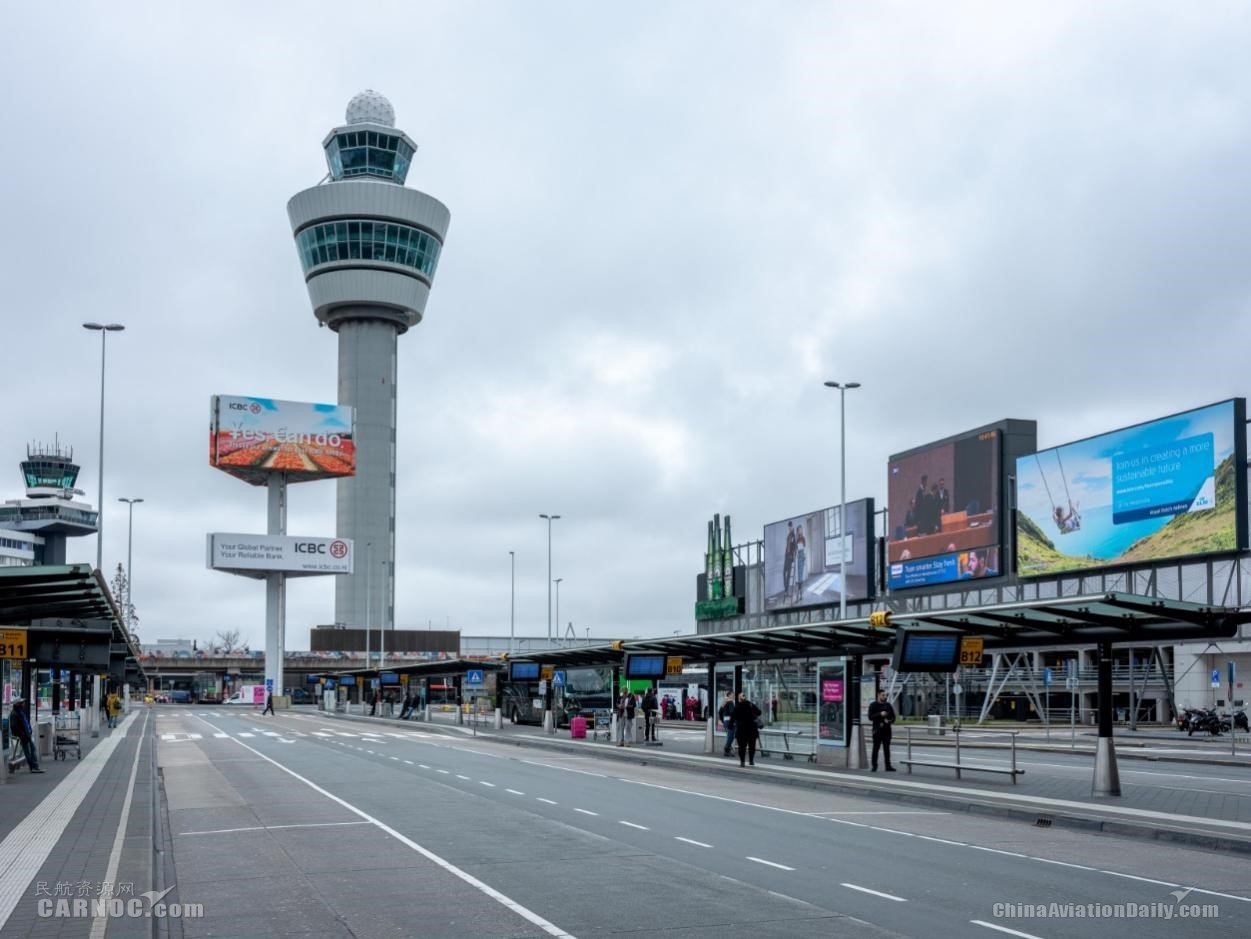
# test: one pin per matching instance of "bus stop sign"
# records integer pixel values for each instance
(474, 677)
(558, 678)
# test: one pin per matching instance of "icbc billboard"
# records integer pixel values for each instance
(251, 438)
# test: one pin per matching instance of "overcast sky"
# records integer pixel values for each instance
(670, 224)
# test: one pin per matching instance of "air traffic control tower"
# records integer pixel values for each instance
(369, 248)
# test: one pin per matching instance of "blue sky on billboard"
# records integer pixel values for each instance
(670, 225)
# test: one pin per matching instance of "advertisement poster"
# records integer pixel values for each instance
(250, 438)
(1169, 488)
(832, 715)
(294, 555)
(944, 520)
(803, 557)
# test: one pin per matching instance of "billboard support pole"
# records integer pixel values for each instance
(275, 589)
(855, 732)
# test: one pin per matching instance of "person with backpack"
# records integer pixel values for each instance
(19, 726)
(746, 717)
(726, 714)
(650, 717)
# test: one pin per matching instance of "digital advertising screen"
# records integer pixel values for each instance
(944, 510)
(1168, 488)
(803, 558)
(250, 438)
(523, 671)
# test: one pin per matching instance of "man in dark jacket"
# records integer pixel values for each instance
(882, 717)
(650, 707)
(746, 732)
(19, 725)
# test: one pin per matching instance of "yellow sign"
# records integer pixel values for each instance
(403, 679)
(360, 682)
(12, 643)
(971, 650)
(673, 665)
(547, 672)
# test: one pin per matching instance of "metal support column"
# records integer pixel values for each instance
(1107, 781)
(855, 730)
(275, 589)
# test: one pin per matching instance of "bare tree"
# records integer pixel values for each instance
(120, 586)
(228, 639)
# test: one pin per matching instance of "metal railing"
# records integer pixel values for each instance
(960, 767)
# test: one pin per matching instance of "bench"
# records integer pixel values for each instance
(1010, 770)
(785, 750)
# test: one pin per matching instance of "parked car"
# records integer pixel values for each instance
(180, 697)
(301, 696)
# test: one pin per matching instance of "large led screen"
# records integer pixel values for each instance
(803, 558)
(944, 512)
(250, 438)
(1169, 488)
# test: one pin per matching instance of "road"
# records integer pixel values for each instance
(368, 830)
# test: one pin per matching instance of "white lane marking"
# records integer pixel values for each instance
(516, 792)
(632, 825)
(586, 812)
(876, 893)
(231, 831)
(396, 758)
(548, 801)
(244, 733)
(221, 735)
(760, 860)
(1010, 932)
(195, 736)
(529, 915)
(698, 844)
(879, 813)
(409, 762)
(485, 783)
(100, 922)
(370, 752)
(459, 776)
(445, 772)
(423, 765)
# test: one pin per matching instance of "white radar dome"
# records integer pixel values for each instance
(369, 107)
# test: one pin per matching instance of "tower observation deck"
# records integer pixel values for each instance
(369, 248)
(49, 509)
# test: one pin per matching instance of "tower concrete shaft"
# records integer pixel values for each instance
(369, 249)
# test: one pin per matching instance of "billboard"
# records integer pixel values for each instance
(258, 555)
(251, 438)
(947, 502)
(1168, 488)
(803, 558)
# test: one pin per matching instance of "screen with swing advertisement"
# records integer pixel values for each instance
(1169, 488)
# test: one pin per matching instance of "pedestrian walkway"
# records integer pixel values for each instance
(78, 833)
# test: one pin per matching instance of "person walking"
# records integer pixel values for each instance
(19, 726)
(407, 708)
(746, 729)
(625, 717)
(269, 705)
(115, 708)
(726, 715)
(881, 716)
(650, 718)
(373, 704)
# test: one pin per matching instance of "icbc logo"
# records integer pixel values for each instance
(338, 549)
(255, 408)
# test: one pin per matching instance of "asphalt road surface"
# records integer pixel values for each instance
(348, 830)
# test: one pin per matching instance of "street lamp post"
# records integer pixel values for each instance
(130, 540)
(103, 329)
(843, 388)
(512, 602)
(550, 519)
(557, 582)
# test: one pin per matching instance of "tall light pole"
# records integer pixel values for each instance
(550, 519)
(843, 388)
(557, 583)
(103, 329)
(130, 541)
(512, 602)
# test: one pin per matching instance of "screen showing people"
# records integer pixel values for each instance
(804, 557)
(944, 511)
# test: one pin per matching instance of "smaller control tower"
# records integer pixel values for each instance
(49, 509)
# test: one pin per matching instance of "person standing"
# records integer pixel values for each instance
(746, 729)
(407, 707)
(269, 704)
(373, 703)
(650, 706)
(19, 725)
(788, 561)
(882, 717)
(625, 717)
(726, 714)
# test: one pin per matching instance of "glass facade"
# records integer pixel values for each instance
(54, 472)
(366, 240)
(369, 153)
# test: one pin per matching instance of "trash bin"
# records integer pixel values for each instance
(936, 725)
(44, 731)
(577, 728)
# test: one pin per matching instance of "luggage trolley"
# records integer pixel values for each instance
(68, 736)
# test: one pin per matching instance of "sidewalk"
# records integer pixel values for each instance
(63, 843)
(1190, 816)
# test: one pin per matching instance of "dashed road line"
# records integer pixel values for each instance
(760, 860)
(1010, 932)
(876, 893)
(622, 821)
(698, 844)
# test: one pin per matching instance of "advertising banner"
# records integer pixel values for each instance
(1168, 488)
(944, 511)
(251, 438)
(258, 555)
(803, 557)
